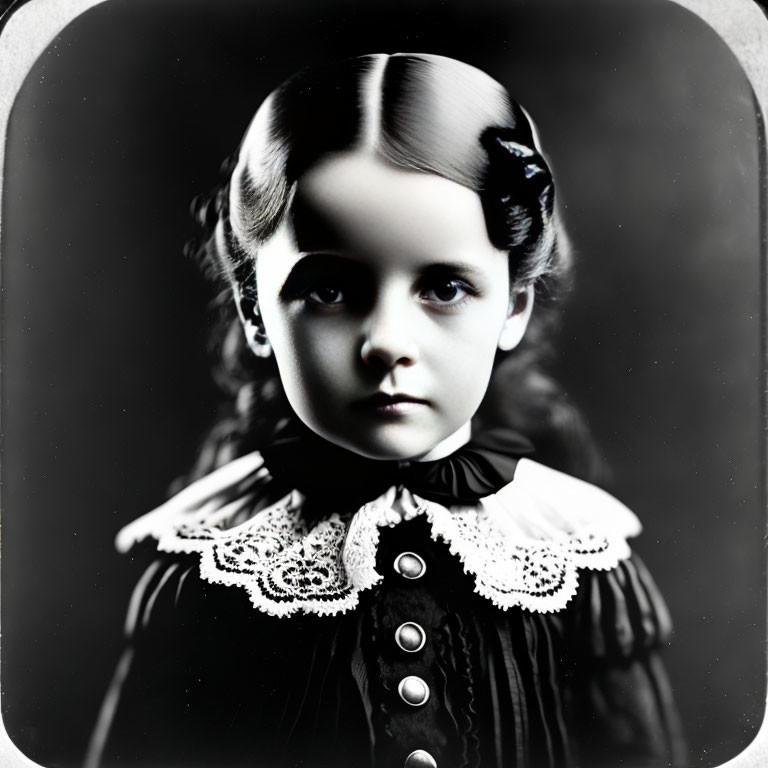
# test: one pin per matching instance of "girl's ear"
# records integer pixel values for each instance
(520, 308)
(253, 326)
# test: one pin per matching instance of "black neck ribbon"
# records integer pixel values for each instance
(300, 459)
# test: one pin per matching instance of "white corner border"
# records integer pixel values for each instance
(28, 31)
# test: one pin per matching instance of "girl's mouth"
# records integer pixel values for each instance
(383, 404)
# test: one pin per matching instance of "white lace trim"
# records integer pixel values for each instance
(524, 545)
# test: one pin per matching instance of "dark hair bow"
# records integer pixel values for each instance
(518, 194)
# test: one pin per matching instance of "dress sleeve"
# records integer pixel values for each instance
(623, 709)
(147, 684)
(207, 680)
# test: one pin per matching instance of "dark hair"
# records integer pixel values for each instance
(421, 112)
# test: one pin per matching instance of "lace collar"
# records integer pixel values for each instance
(524, 545)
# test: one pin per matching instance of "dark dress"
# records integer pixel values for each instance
(392, 649)
(207, 680)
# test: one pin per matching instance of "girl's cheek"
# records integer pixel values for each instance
(478, 328)
(319, 345)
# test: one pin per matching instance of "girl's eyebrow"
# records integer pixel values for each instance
(314, 265)
(452, 266)
(320, 252)
(442, 270)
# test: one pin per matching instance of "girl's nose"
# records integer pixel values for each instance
(389, 339)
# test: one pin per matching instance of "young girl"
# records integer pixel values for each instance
(376, 563)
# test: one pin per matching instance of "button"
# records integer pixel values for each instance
(420, 758)
(409, 565)
(413, 690)
(410, 637)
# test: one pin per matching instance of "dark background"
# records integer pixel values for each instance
(651, 129)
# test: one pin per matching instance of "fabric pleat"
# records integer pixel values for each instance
(517, 703)
(619, 613)
(496, 722)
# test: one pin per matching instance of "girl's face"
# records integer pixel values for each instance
(384, 303)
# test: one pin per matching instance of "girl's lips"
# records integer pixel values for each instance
(384, 404)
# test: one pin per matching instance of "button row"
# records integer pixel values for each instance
(411, 637)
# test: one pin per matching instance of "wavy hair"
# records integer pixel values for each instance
(420, 112)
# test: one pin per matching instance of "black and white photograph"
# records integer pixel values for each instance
(383, 384)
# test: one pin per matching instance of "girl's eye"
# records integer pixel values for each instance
(326, 295)
(446, 292)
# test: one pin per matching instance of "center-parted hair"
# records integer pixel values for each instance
(419, 112)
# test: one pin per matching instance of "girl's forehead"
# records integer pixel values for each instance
(357, 203)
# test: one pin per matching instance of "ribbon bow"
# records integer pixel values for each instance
(301, 459)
